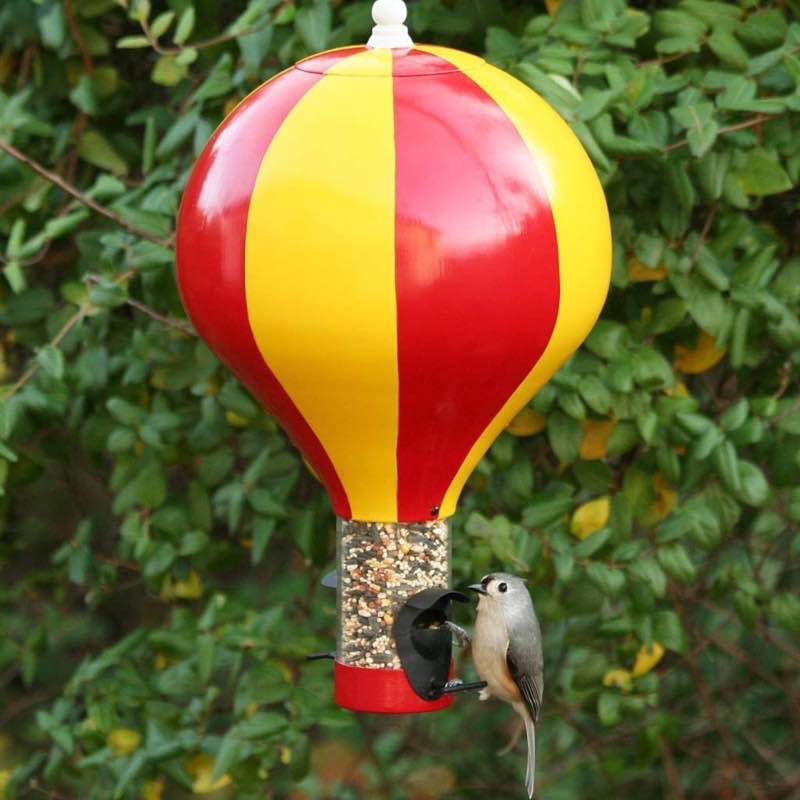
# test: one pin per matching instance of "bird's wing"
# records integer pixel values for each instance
(529, 684)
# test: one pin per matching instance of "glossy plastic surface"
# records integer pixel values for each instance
(380, 691)
(394, 249)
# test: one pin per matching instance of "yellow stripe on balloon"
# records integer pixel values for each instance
(326, 256)
(584, 236)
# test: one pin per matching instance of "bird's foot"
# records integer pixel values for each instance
(459, 634)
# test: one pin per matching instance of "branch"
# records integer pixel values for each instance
(219, 39)
(86, 56)
(178, 324)
(82, 311)
(753, 122)
(54, 342)
(82, 198)
(671, 770)
(708, 704)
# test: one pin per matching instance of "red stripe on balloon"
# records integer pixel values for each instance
(413, 63)
(476, 276)
(212, 225)
(321, 62)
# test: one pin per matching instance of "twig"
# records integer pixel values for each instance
(49, 793)
(210, 42)
(54, 342)
(671, 770)
(177, 324)
(86, 56)
(708, 704)
(82, 311)
(758, 119)
(13, 710)
(219, 39)
(704, 234)
(78, 195)
(657, 62)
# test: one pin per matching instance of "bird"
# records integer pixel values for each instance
(507, 651)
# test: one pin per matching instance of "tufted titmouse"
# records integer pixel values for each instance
(507, 650)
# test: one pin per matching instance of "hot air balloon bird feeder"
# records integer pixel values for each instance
(393, 246)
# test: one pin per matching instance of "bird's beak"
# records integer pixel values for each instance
(476, 587)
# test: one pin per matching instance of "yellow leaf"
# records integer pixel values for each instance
(5, 775)
(641, 273)
(190, 589)
(526, 423)
(5, 370)
(6, 65)
(702, 357)
(620, 678)
(153, 790)
(123, 741)
(250, 710)
(230, 104)
(286, 755)
(678, 390)
(594, 443)
(647, 658)
(161, 661)
(590, 517)
(552, 6)
(666, 497)
(200, 769)
(236, 420)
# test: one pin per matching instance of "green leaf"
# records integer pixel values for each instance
(754, 487)
(610, 581)
(160, 25)
(160, 560)
(564, 434)
(185, 26)
(763, 29)
(132, 42)
(51, 360)
(262, 530)
(83, 96)
(97, 150)
(608, 709)
(314, 25)
(167, 71)
(649, 571)
(727, 48)
(784, 609)
(676, 562)
(761, 175)
(668, 630)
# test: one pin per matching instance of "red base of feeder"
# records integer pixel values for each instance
(380, 691)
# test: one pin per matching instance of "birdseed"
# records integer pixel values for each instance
(381, 564)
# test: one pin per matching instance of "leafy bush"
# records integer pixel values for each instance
(162, 545)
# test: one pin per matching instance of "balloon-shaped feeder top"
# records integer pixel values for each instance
(394, 247)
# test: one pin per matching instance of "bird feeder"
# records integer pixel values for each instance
(393, 246)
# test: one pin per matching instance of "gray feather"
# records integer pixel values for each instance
(530, 773)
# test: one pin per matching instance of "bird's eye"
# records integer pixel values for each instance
(503, 587)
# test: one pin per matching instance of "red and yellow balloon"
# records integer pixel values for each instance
(394, 249)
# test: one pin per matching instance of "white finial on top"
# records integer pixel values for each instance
(389, 30)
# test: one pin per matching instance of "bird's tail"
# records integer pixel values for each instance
(530, 735)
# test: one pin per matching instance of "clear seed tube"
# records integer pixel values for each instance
(380, 565)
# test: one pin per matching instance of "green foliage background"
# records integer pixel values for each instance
(162, 545)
